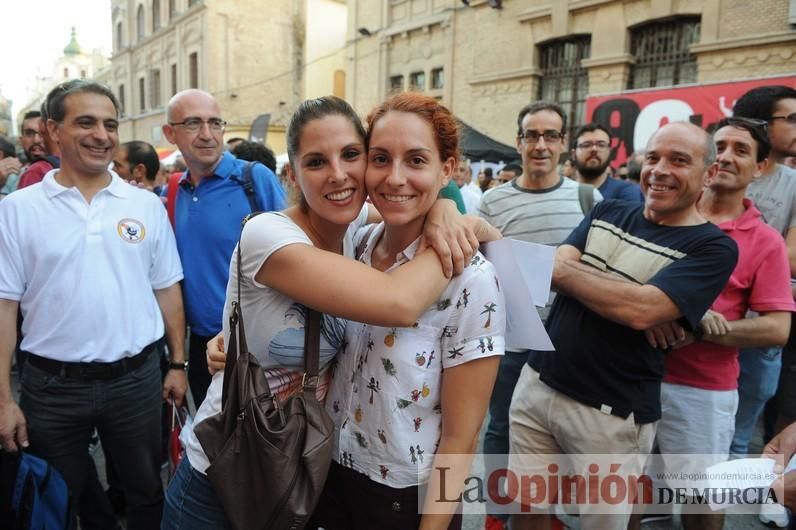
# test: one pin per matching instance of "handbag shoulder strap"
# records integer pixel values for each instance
(312, 343)
(237, 334)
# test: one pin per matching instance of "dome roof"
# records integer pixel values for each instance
(73, 48)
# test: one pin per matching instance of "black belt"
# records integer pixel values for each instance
(93, 371)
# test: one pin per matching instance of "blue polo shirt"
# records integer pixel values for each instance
(621, 189)
(208, 219)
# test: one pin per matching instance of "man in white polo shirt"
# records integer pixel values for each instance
(92, 264)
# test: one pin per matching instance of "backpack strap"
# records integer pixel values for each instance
(54, 161)
(246, 181)
(171, 197)
(586, 197)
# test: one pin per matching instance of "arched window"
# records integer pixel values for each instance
(155, 15)
(172, 9)
(140, 22)
(564, 79)
(119, 36)
(662, 53)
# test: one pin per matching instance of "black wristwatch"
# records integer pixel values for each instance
(179, 366)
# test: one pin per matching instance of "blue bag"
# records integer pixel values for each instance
(39, 497)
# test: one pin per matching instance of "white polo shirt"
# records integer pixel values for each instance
(84, 273)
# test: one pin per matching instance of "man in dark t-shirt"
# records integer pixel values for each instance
(626, 269)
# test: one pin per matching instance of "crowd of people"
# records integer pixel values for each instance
(670, 307)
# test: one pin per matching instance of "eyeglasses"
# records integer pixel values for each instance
(30, 133)
(599, 145)
(790, 118)
(532, 137)
(192, 125)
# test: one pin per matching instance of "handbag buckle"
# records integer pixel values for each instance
(233, 315)
(311, 380)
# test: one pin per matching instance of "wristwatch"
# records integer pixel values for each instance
(179, 366)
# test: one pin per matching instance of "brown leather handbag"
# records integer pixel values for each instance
(268, 459)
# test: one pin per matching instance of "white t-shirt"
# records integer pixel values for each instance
(471, 199)
(386, 393)
(274, 323)
(84, 273)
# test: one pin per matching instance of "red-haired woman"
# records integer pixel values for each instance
(394, 409)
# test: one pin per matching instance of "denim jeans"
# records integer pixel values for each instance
(496, 438)
(757, 384)
(191, 502)
(62, 412)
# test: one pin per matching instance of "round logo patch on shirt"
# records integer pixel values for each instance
(131, 230)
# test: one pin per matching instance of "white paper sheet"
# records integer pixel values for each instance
(741, 474)
(525, 271)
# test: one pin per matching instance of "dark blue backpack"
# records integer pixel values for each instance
(39, 497)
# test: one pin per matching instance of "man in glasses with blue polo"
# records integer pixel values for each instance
(774, 194)
(538, 206)
(591, 156)
(215, 193)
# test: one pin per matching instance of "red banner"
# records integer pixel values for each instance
(632, 117)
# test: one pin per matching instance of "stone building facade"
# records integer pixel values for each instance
(251, 55)
(485, 63)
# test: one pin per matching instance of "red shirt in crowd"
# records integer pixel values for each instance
(34, 174)
(760, 282)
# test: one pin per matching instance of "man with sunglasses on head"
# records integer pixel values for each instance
(538, 206)
(211, 198)
(774, 194)
(591, 156)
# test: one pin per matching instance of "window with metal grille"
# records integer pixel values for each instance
(396, 84)
(417, 81)
(564, 79)
(662, 54)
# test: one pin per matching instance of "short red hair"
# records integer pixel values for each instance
(443, 124)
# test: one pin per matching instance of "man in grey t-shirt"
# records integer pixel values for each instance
(774, 194)
(538, 206)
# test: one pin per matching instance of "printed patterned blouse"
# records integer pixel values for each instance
(385, 395)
